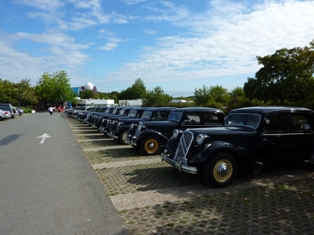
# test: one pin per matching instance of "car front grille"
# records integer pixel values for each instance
(184, 145)
(138, 130)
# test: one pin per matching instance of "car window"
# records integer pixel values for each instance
(243, 119)
(148, 115)
(192, 118)
(175, 116)
(299, 123)
(276, 123)
(210, 118)
(160, 116)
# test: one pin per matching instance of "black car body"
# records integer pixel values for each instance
(91, 114)
(251, 137)
(119, 129)
(100, 118)
(152, 136)
(135, 112)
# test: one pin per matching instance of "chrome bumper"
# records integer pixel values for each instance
(179, 165)
(110, 134)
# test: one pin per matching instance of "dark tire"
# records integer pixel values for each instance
(1, 119)
(123, 136)
(221, 170)
(151, 145)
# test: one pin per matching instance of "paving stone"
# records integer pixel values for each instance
(155, 198)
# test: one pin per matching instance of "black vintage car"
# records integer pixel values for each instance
(135, 112)
(100, 117)
(152, 136)
(251, 137)
(120, 127)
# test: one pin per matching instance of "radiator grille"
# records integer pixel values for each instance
(184, 145)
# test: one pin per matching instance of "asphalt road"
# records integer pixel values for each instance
(47, 185)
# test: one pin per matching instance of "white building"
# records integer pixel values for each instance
(128, 103)
(94, 102)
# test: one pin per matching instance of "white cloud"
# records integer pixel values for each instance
(223, 44)
(113, 43)
(133, 2)
(167, 12)
(149, 31)
(44, 5)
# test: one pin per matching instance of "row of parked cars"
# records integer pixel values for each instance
(7, 111)
(205, 141)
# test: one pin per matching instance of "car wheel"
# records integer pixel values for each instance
(221, 170)
(1, 119)
(151, 145)
(123, 136)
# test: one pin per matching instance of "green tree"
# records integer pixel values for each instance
(55, 87)
(237, 92)
(156, 97)
(7, 91)
(201, 96)
(218, 94)
(25, 94)
(88, 94)
(136, 91)
(285, 78)
(215, 96)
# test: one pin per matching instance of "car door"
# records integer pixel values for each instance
(276, 137)
(191, 120)
(302, 135)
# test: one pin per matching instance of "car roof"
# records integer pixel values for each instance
(271, 109)
(160, 108)
(191, 109)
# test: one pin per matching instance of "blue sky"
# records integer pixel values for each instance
(179, 45)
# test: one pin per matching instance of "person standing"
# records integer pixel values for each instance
(50, 110)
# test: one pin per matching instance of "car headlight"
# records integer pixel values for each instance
(176, 133)
(200, 139)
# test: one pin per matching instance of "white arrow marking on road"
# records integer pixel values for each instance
(43, 138)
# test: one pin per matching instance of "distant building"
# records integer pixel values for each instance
(94, 102)
(94, 89)
(128, 103)
(77, 90)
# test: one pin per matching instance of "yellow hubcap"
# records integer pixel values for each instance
(151, 145)
(222, 170)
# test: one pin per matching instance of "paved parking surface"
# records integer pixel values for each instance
(154, 198)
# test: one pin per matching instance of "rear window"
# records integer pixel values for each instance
(6, 107)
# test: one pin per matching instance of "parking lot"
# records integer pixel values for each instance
(154, 198)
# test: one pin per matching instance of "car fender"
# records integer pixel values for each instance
(149, 132)
(121, 129)
(222, 146)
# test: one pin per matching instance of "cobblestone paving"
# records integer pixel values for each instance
(112, 155)
(280, 201)
(284, 209)
(132, 179)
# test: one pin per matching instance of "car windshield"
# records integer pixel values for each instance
(147, 115)
(175, 116)
(243, 119)
(132, 113)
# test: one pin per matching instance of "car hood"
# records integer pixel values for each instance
(150, 124)
(224, 131)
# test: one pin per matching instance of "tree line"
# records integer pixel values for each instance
(285, 78)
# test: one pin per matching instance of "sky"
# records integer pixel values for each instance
(178, 45)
